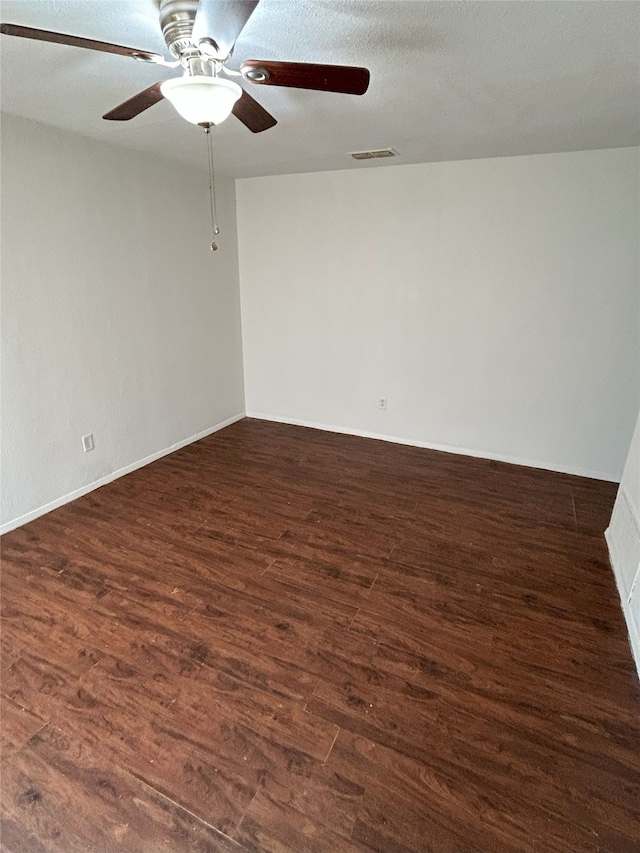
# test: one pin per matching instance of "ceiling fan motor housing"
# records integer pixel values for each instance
(176, 19)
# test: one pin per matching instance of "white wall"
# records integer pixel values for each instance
(117, 319)
(623, 538)
(495, 303)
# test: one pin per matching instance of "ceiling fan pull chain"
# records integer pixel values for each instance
(212, 188)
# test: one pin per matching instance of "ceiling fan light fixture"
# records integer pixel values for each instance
(202, 100)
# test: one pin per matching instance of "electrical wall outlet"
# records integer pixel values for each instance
(87, 442)
(382, 402)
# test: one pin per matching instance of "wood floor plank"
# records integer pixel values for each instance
(364, 700)
(434, 806)
(345, 581)
(39, 685)
(278, 591)
(57, 792)
(137, 629)
(159, 746)
(411, 806)
(321, 796)
(271, 826)
(281, 639)
(18, 725)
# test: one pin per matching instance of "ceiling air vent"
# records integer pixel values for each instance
(372, 155)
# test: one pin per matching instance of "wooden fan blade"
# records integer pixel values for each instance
(221, 21)
(136, 105)
(303, 75)
(252, 115)
(77, 41)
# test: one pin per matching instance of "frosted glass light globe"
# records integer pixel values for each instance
(202, 100)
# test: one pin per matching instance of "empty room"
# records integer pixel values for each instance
(320, 443)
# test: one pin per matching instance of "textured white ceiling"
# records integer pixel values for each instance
(449, 80)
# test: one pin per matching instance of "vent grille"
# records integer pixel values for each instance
(372, 155)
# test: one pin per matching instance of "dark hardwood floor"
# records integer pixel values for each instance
(279, 639)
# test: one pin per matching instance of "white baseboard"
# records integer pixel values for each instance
(109, 478)
(445, 448)
(625, 562)
(631, 617)
(634, 632)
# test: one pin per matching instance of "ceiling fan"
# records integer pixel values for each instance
(200, 36)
